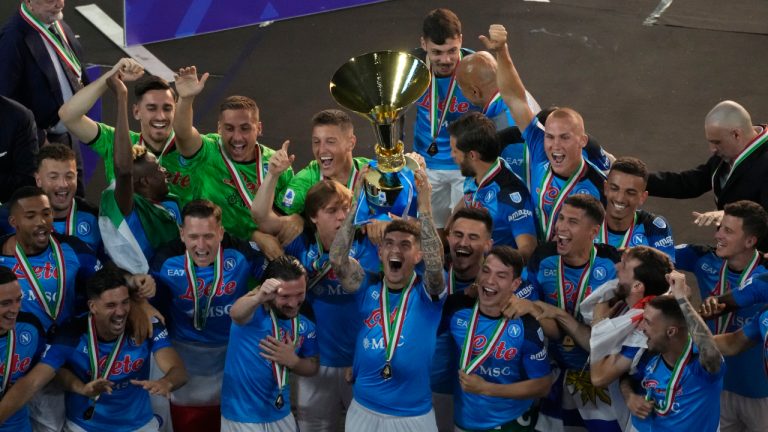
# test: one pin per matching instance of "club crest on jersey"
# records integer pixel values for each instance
(25, 337)
(229, 264)
(515, 197)
(288, 197)
(582, 191)
(637, 239)
(84, 228)
(302, 327)
(488, 196)
(600, 273)
(514, 330)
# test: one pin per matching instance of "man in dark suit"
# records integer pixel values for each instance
(18, 146)
(737, 169)
(41, 66)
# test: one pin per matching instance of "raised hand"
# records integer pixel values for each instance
(268, 290)
(116, 84)
(677, 285)
(129, 69)
(708, 218)
(280, 160)
(496, 39)
(187, 83)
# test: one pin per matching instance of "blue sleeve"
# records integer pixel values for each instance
(308, 346)
(753, 291)
(629, 352)
(256, 260)
(752, 330)
(160, 338)
(58, 351)
(698, 370)
(535, 358)
(533, 278)
(367, 255)
(534, 139)
(660, 237)
(686, 257)
(297, 247)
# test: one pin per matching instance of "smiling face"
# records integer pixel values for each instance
(564, 138)
(46, 11)
(155, 111)
(10, 304)
(289, 298)
(32, 218)
(110, 311)
(624, 194)
(58, 179)
(399, 252)
(239, 130)
(657, 328)
(202, 238)
(575, 231)
(731, 238)
(332, 147)
(444, 57)
(468, 241)
(496, 283)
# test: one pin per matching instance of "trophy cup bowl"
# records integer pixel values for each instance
(380, 86)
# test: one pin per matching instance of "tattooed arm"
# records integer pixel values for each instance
(710, 357)
(431, 246)
(347, 269)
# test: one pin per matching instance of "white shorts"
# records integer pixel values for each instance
(447, 190)
(361, 419)
(443, 406)
(205, 367)
(740, 413)
(322, 400)
(151, 426)
(47, 411)
(286, 424)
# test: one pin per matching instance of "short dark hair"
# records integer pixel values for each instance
(478, 214)
(321, 193)
(286, 268)
(652, 270)
(201, 209)
(108, 277)
(333, 117)
(474, 131)
(754, 218)
(55, 151)
(151, 82)
(591, 206)
(239, 103)
(632, 166)
(669, 307)
(510, 257)
(402, 225)
(22, 193)
(6, 275)
(439, 25)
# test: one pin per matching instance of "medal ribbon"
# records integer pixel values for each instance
(436, 122)
(493, 100)
(93, 352)
(279, 371)
(624, 243)
(62, 47)
(240, 183)
(467, 363)
(200, 316)
(451, 280)
(10, 350)
(675, 378)
(487, 177)
(562, 302)
(170, 144)
(548, 223)
(755, 144)
(320, 271)
(721, 322)
(392, 330)
(71, 223)
(52, 309)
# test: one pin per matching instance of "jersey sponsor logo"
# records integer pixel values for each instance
(500, 351)
(638, 239)
(551, 195)
(25, 337)
(229, 264)
(461, 323)
(126, 365)
(328, 289)
(288, 197)
(550, 272)
(665, 242)
(19, 364)
(49, 296)
(520, 215)
(709, 269)
(378, 343)
(514, 330)
(599, 273)
(659, 222)
(513, 161)
(204, 289)
(374, 319)
(177, 179)
(375, 295)
(46, 271)
(541, 355)
(494, 371)
(454, 107)
(160, 336)
(176, 272)
(83, 228)
(570, 293)
(516, 197)
(524, 292)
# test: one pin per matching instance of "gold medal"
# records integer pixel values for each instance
(279, 401)
(432, 150)
(386, 373)
(568, 343)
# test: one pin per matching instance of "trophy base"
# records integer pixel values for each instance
(383, 188)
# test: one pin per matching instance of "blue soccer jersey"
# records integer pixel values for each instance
(696, 403)
(240, 261)
(546, 186)
(250, 388)
(757, 330)
(544, 273)
(407, 392)
(80, 262)
(333, 310)
(29, 344)
(128, 407)
(708, 268)
(519, 354)
(507, 200)
(137, 229)
(753, 291)
(648, 230)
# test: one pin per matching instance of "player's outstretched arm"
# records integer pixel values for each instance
(567, 323)
(508, 80)
(734, 343)
(123, 153)
(608, 369)
(188, 86)
(346, 268)
(22, 390)
(175, 377)
(73, 384)
(261, 210)
(431, 245)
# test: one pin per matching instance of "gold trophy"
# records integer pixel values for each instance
(380, 86)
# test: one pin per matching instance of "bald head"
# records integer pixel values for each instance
(570, 116)
(729, 114)
(728, 128)
(476, 76)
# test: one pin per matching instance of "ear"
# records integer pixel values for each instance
(91, 306)
(643, 197)
(751, 242)
(423, 43)
(516, 284)
(672, 331)
(352, 141)
(638, 287)
(136, 111)
(259, 129)
(594, 230)
(38, 180)
(12, 222)
(419, 255)
(583, 140)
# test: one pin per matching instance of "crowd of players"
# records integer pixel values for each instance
(214, 289)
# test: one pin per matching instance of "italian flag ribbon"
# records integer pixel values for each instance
(493, 100)
(674, 379)
(52, 309)
(547, 223)
(437, 118)
(755, 144)
(487, 177)
(168, 146)
(240, 182)
(62, 47)
(625, 241)
(71, 221)
(451, 280)
(200, 316)
(279, 371)
(562, 301)
(393, 329)
(93, 352)
(10, 351)
(722, 287)
(466, 362)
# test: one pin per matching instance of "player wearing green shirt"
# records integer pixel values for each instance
(229, 165)
(154, 109)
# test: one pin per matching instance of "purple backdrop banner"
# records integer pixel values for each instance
(157, 20)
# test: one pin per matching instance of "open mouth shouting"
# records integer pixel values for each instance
(326, 162)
